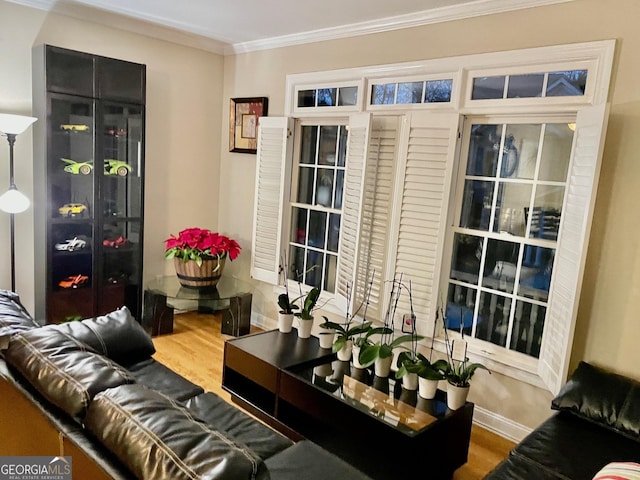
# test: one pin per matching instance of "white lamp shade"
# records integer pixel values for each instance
(14, 124)
(14, 201)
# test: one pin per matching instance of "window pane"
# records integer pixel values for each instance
(520, 151)
(546, 212)
(512, 201)
(487, 87)
(525, 86)
(328, 142)
(383, 94)
(308, 148)
(324, 187)
(410, 92)
(307, 98)
(305, 185)
(317, 227)
(500, 265)
(313, 274)
(493, 318)
(438, 91)
(483, 150)
(567, 84)
(331, 270)
(326, 97)
(465, 263)
(476, 204)
(339, 189)
(334, 232)
(528, 325)
(342, 145)
(460, 304)
(535, 275)
(296, 264)
(299, 225)
(556, 152)
(347, 96)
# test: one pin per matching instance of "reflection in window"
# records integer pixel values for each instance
(383, 94)
(525, 86)
(567, 84)
(438, 91)
(347, 96)
(326, 97)
(487, 88)
(410, 92)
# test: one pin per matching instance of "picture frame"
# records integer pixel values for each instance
(244, 115)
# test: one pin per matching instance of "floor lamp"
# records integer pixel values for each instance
(13, 201)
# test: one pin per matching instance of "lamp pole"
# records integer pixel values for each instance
(11, 138)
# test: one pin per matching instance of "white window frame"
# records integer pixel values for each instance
(597, 58)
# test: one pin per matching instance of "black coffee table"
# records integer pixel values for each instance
(372, 423)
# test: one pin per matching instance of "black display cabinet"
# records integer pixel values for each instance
(89, 183)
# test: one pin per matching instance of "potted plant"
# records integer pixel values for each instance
(305, 315)
(408, 362)
(344, 334)
(458, 381)
(286, 306)
(199, 256)
(429, 374)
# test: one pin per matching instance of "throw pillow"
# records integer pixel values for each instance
(619, 471)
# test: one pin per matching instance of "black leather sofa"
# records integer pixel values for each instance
(597, 423)
(92, 391)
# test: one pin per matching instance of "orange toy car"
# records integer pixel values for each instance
(74, 281)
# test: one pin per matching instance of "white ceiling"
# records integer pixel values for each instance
(231, 26)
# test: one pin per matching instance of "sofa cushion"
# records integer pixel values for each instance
(157, 376)
(64, 370)
(574, 448)
(603, 397)
(116, 335)
(157, 438)
(14, 318)
(237, 425)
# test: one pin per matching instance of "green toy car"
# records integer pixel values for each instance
(116, 167)
(76, 168)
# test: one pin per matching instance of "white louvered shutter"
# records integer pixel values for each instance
(571, 251)
(357, 145)
(272, 184)
(429, 143)
(376, 217)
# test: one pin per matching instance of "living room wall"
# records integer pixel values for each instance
(184, 103)
(607, 326)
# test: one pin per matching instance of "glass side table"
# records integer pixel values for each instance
(231, 296)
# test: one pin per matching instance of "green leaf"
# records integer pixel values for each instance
(368, 355)
(338, 344)
(169, 254)
(404, 339)
(385, 351)
(401, 372)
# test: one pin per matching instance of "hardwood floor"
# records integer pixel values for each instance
(195, 350)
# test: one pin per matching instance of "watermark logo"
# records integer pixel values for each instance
(35, 468)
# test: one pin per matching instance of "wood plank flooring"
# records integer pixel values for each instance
(195, 350)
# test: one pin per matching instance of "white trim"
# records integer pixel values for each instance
(414, 19)
(499, 425)
(262, 321)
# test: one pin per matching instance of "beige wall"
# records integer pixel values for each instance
(184, 104)
(608, 326)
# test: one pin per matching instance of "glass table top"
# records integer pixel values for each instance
(169, 286)
(382, 398)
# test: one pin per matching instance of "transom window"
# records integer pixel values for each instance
(316, 205)
(430, 91)
(569, 83)
(504, 241)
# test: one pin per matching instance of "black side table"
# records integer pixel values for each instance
(231, 296)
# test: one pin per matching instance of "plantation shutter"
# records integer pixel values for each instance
(572, 245)
(428, 143)
(376, 217)
(272, 184)
(357, 144)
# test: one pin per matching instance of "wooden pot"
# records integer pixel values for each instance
(205, 276)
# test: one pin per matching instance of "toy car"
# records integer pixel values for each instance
(74, 281)
(116, 167)
(116, 132)
(116, 242)
(71, 244)
(74, 127)
(71, 209)
(77, 167)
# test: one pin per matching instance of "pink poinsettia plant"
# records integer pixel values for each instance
(198, 244)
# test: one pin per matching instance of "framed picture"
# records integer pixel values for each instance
(243, 123)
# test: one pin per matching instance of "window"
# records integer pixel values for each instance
(316, 205)
(570, 83)
(505, 236)
(430, 91)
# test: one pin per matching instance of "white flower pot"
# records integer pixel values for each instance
(304, 328)
(427, 388)
(285, 321)
(326, 339)
(355, 353)
(456, 396)
(382, 366)
(410, 381)
(344, 354)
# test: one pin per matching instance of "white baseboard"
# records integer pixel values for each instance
(499, 425)
(263, 321)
